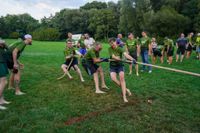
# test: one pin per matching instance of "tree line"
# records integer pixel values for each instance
(103, 20)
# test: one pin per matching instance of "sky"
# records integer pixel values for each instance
(40, 8)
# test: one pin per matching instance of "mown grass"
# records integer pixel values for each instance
(49, 103)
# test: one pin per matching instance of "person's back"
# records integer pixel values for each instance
(19, 44)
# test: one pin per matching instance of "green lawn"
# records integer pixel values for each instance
(49, 103)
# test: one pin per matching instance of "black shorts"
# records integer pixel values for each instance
(156, 53)
(189, 48)
(170, 53)
(134, 55)
(116, 69)
(74, 62)
(181, 50)
(10, 64)
(89, 66)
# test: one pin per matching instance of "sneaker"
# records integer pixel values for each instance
(2, 107)
(150, 71)
(19, 93)
(137, 74)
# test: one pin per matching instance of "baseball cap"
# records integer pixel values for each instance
(2, 41)
(27, 36)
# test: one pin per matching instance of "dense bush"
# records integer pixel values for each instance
(14, 35)
(46, 34)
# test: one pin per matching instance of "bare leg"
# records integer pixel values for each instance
(177, 57)
(170, 60)
(11, 81)
(3, 83)
(114, 78)
(64, 68)
(96, 81)
(103, 84)
(79, 73)
(130, 69)
(137, 69)
(182, 57)
(123, 86)
(117, 82)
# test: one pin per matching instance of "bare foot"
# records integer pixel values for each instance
(125, 100)
(19, 93)
(129, 92)
(105, 87)
(99, 92)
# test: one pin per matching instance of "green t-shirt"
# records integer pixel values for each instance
(91, 54)
(69, 51)
(144, 43)
(81, 42)
(132, 45)
(2, 55)
(169, 43)
(198, 41)
(69, 39)
(118, 51)
(20, 45)
(189, 39)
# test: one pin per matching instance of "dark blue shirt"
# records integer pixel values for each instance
(182, 42)
(119, 42)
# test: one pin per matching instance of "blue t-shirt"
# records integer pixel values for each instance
(119, 42)
(182, 42)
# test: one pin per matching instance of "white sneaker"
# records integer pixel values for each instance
(2, 107)
(19, 93)
(99, 92)
(150, 71)
(137, 74)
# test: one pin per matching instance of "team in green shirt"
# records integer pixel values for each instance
(71, 60)
(9, 60)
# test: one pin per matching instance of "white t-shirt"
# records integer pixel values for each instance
(154, 45)
(89, 43)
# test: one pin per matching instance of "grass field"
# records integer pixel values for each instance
(49, 103)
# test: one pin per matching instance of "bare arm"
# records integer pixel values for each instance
(150, 49)
(14, 54)
(128, 56)
(97, 60)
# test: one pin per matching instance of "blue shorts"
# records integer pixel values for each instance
(198, 49)
(83, 51)
(117, 69)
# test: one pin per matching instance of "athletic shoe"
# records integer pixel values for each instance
(150, 71)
